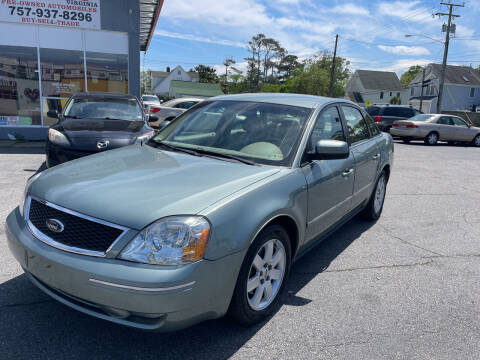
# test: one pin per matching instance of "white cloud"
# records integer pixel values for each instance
(350, 9)
(406, 10)
(198, 38)
(232, 12)
(403, 65)
(405, 50)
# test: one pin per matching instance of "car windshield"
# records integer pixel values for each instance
(420, 118)
(104, 108)
(264, 133)
(149, 98)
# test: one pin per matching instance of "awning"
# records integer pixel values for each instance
(149, 13)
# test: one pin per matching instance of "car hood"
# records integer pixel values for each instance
(136, 185)
(84, 134)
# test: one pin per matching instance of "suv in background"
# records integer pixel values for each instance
(386, 115)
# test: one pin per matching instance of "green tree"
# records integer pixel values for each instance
(146, 82)
(206, 74)
(410, 74)
(287, 65)
(396, 100)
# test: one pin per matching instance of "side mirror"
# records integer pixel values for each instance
(330, 150)
(52, 114)
(152, 118)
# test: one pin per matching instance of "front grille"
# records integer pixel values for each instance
(78, 232)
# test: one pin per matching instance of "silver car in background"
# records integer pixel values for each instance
(169, 110)
(206, 218)
(432, 128)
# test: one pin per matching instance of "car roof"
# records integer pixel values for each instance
(102, 95)
(186, 99)
(391, 105)
(307, 101)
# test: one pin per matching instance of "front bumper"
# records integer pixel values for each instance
(58, 155)
(147, 297)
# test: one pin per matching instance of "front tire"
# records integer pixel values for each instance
(375, 206)
(476, 141)
(262, 277)
(431, 139)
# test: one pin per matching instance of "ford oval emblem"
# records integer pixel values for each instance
(55, 225)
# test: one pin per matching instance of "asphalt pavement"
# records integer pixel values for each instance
(405, 287)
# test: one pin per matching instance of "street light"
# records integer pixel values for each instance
(425, 36)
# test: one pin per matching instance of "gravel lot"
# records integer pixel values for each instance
(406, 287)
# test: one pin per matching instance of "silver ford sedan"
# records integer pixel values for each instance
(207, 217)
(436, 127)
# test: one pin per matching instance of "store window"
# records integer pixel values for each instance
(107, 72)
(19, 86)
(62, 72)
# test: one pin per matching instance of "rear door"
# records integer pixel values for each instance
(330, 182)
(365, 151)
(445, 128)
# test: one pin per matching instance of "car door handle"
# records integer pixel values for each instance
(347, 172)
(376, 156)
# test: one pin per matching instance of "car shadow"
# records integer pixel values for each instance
(34, 326)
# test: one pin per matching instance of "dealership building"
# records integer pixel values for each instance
(50, 49)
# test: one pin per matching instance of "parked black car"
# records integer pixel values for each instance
(95, 122)
(385, 115)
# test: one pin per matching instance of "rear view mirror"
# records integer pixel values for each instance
(330, 150)
(52, 114)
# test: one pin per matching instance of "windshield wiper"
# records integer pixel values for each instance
(174, 148)
(226, 156)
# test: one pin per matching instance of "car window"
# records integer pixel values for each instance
(185, 104)
(374, 130)
(459, 122)
(398, 112)
(445, 120)
(373, 110)
(358, 130)
(327, 127)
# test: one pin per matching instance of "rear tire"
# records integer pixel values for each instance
(431, 139)
(375, 205)
(262, 277)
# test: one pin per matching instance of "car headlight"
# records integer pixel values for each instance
(21, 206)
(56, 137)
(174, 240)
(144, 138)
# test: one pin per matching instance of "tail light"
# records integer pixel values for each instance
(154, 110)
(378, 119)
(411, 126)
(395, 125)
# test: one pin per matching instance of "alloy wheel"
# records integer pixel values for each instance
(379, 194)
(266, 274)
(432, 139)
(477, 141)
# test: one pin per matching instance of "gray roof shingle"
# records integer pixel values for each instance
(459, 75)
(379, 80)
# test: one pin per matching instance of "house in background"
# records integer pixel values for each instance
(375, 87)
(461, 89)
(179, 89)
(161, 80)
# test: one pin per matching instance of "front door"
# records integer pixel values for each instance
(330, 182)
(446, 128)
(462, 131)
(365, 151)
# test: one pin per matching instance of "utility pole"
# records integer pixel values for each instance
(445, 52)
(332, 74)
(423, 85)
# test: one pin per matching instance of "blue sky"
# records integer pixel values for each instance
(372, 33)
